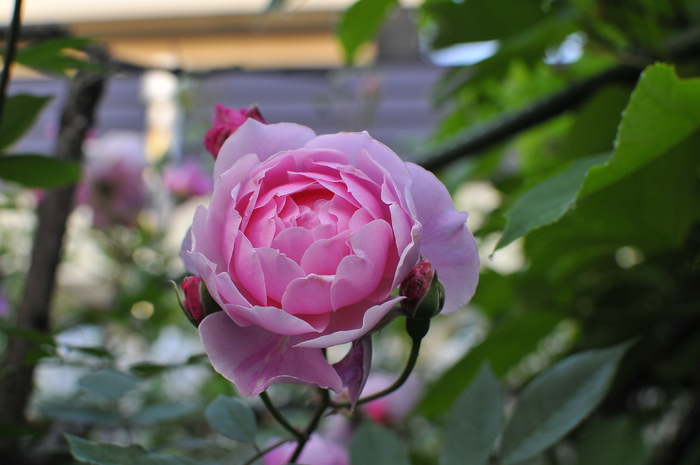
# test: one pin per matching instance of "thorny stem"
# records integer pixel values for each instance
(323, 404)
(279, 417)
(10, 50)
(261, 452)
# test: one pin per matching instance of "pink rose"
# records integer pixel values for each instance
(113, 184)
(317, 451)
(225, 121)
(188, 180)
(302, 245)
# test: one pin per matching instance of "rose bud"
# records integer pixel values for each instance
(226, 121)
(425, 295)
(198, 303)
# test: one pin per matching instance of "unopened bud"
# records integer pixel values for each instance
(193, 306)
(198, 303)
(425, 295)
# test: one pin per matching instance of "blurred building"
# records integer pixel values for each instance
(287, 61)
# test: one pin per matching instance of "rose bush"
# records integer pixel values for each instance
(303, 243)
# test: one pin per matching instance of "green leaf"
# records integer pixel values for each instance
(647, 195)
(158, 413)
(197, 359)
(527, 46)
(480, 20)
(38, 171)
(147, 370)
(80, 415)
(360, 23)
(50, 55)
(232, 418)
(662, 112)
(108, 383)
(111, 454)
(99, 352)
(548, 201)
(503, 348)
(18, 116)
(32, 335)
(614, 441)
(474, 422)
(376, 445)
(557, 400)
(595, 127)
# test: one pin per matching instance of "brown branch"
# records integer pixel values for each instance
(483, 137)
(33, 311)
(10, 50)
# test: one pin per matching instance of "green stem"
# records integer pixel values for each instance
(323, 404)
(264, 451)
(281, 418)
(417, 329)
(10, 50)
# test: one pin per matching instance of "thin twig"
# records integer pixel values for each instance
(281, 419)
(323, 404)
(264, 451)
(10, 50)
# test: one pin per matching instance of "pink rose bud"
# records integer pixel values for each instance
(226, 121)
(425, 296)
(193, 305)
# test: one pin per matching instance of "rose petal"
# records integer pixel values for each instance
(350, 323)
(254, 359)
(354, 143)
(324, 255)
(248, 270)
(358, 275)
(293, 242)
(278, 270)
(353, 369)
(308, 295)
(276, 320)
(264, 140)
(445, 241)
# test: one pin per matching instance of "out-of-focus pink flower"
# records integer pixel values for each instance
(4, 307)
(392, 408)
(188, 180)
(317, 451)
(302, 245)
(225, 121)
(113, 184)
